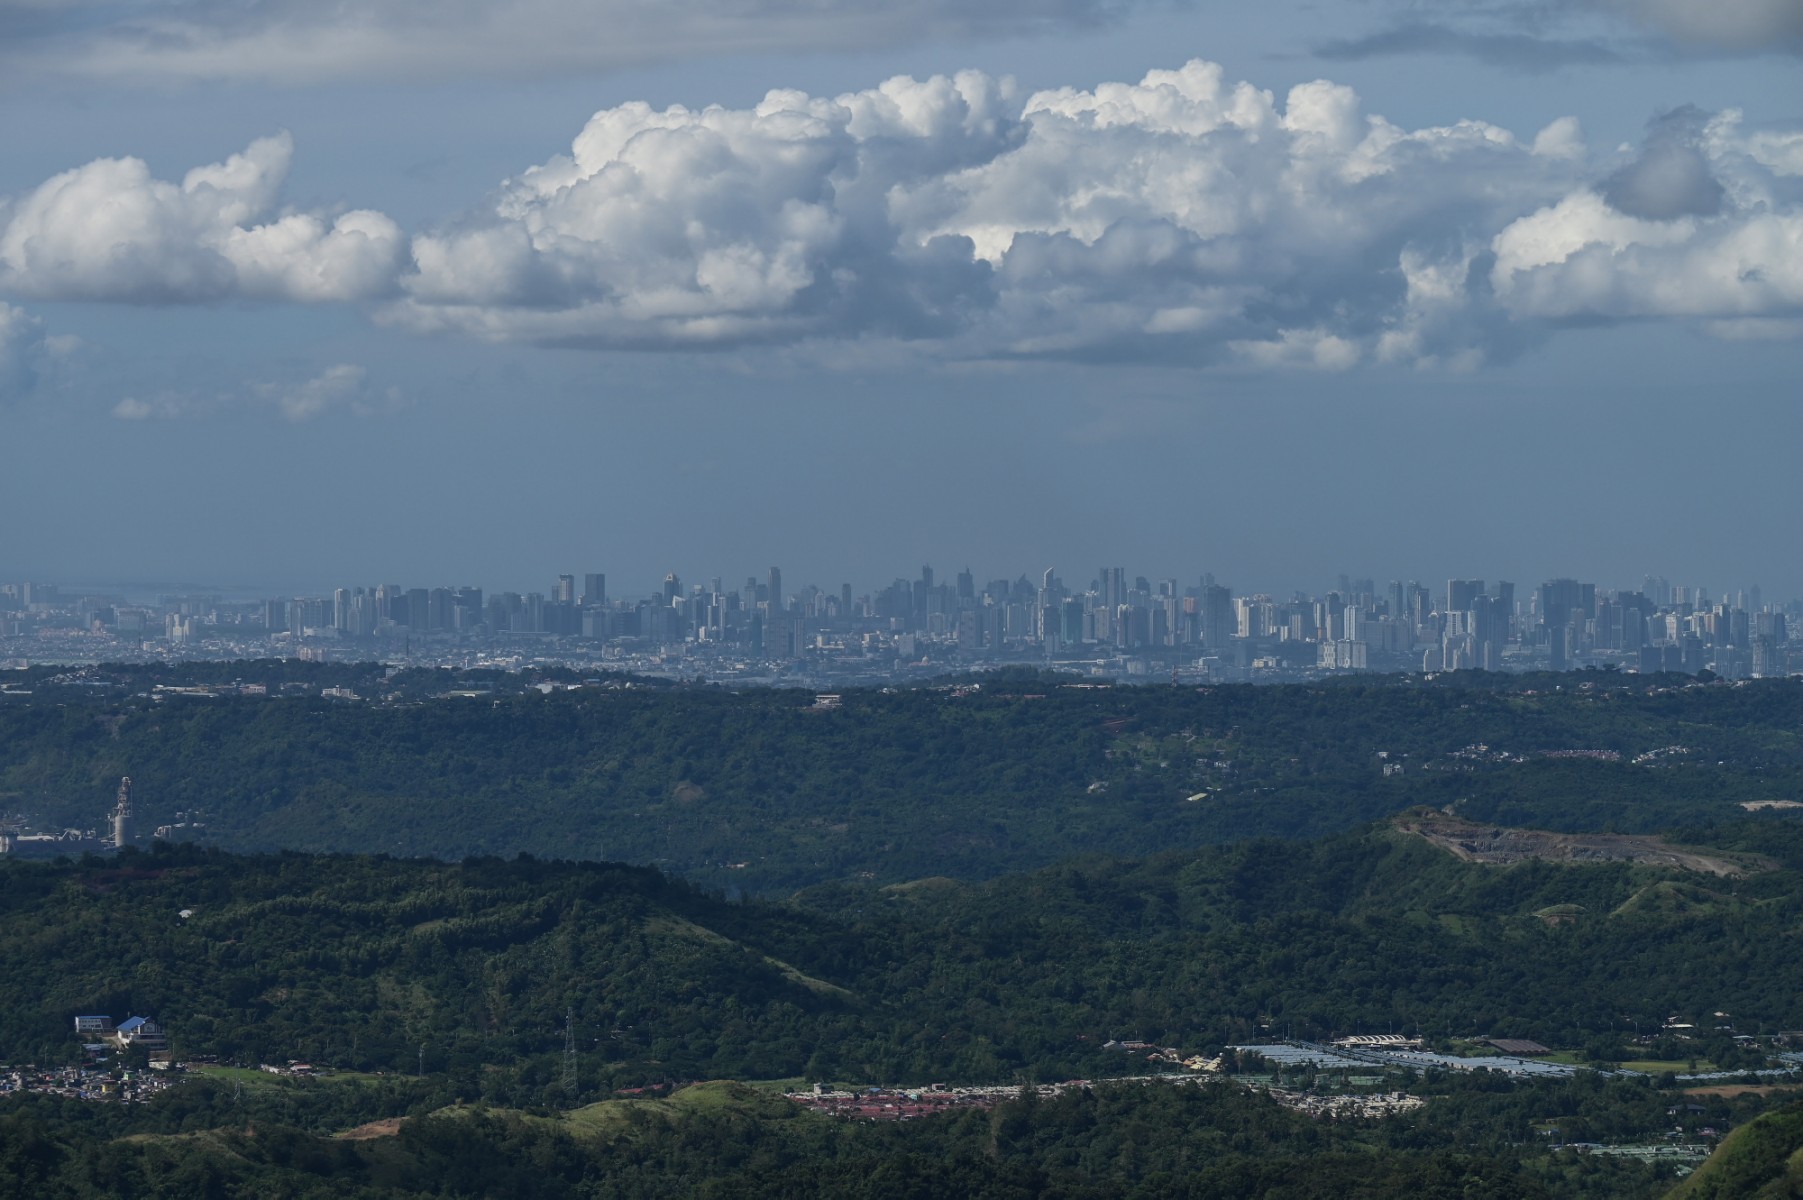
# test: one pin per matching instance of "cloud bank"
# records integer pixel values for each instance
(1184, 218)
(1733, 25)
(294, 41)
(1535, 36)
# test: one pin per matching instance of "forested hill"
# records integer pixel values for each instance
(361, 961)
(763, 792)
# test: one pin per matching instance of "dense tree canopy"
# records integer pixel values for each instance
(760, 792)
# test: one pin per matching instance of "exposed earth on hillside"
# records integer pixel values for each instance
(1497, 844)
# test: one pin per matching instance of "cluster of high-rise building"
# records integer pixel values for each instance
(1117, 623)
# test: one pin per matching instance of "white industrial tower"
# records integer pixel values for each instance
(122, 816)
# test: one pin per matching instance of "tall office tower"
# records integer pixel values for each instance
(1070, 621)
(388, 597)
(967, 588)
(1217, 616)
(467, 607)
(1417, 608)
(1010, 621)
(1505, 592)
(1167, 621)
(565, 592)
(776, 590)
(1606, 629)
(419, 608)
(672, 588)
(1489, 631)
(926, 576)
(1114, 587)
(1558, 598)
(1558, 647)
(1460, 593)
(1635, 610)
(1254, 616)
(358, 620)
(442, 603)
(341, 610)
(1095, 624)
(778, 637)
(1768, 657)
(844, 600)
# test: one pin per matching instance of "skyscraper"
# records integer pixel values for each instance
(594, 590)
(1461, 593)
(1558, 597)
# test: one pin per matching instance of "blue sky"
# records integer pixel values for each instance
(484, 292)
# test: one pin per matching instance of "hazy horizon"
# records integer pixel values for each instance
(293, 300)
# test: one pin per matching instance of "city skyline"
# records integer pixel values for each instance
(780, 630)
(627, 588)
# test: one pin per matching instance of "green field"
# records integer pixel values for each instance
(257, 1077)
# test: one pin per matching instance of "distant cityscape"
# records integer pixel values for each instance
(1108, 625)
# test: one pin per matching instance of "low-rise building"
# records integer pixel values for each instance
(141, 1031)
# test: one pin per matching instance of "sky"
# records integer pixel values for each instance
(295, 296)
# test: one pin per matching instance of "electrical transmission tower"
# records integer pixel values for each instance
(569, 1055)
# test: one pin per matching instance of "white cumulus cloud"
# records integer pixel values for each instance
(1704, 222)
(1183, 218)
(342, 387)
(110, 230)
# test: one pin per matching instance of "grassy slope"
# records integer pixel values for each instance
(1762, 1160)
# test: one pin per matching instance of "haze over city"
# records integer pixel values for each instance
(297, 297)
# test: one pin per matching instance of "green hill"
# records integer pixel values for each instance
(1762, 1160)
(758, 792)
(362, 961)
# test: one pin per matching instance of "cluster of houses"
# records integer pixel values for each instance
(100, 1035)
(82, 1083)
